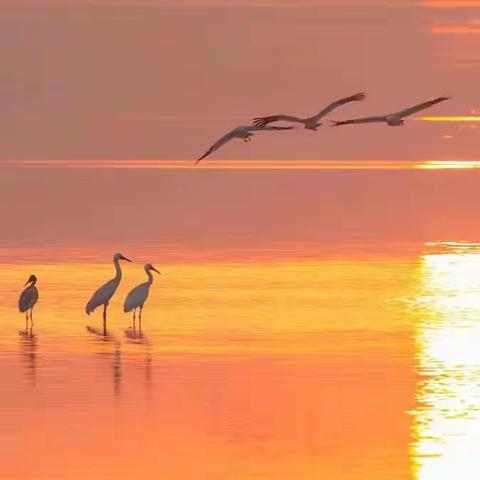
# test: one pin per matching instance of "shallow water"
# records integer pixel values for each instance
(362, 367)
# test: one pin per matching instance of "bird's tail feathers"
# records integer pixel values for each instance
(89, 308)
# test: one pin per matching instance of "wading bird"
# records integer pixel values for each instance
(103, 295)
(138, 296)
(28, 299)
(393, 119)
(244, 132)
(310, 123)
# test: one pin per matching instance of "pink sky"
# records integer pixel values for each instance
(164, 83)
(158, 82)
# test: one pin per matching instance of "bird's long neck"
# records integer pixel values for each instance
(150, 277)
(118, 270)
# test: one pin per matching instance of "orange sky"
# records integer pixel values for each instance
(109, 82)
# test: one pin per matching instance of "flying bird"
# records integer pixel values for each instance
(28, 299)
(138, 296)
(244, 132)
(310, 123)
(103, 295)
(393, 119)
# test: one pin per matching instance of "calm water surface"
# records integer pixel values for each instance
(342, 368)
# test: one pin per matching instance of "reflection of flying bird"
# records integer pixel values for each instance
(311, 123)
(138, 296)
(244, 132)
(103, 295)
(28, 299)
(393, 119)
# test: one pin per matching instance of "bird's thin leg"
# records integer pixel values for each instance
(31, 319)
(134, 320)
(26, 321)
(105, 319)
(140, 320)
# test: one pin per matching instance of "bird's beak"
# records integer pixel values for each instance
(29, 281)
(155, 270)
(125, 258)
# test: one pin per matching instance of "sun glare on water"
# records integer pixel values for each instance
(446, 426)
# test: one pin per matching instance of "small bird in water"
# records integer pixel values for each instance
(103, 295)
(28, 299)
(138, 296)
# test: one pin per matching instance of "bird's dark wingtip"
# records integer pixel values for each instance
(200, 159)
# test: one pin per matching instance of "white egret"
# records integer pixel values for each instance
(28, 299)
(244, 132)
(310, 123)
(103, 295)
(138, 296)
(393, 119)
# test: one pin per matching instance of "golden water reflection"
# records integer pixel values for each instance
(280, 370)
(446, 426)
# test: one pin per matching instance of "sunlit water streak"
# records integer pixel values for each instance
(447, 419)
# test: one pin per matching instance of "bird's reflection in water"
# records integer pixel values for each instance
(136, 335)
(115, 356)
(28, 352)
(117, 370)
(102, 333)
(148, 371)
(114, 362)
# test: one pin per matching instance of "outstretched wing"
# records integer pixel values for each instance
(359, 120)
(225, 139)
(258, 128)
(421, 106)
(263, 121)
(338, 103)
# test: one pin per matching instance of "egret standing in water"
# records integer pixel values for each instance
(103, 295)
(28, 299)
(138, 296)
